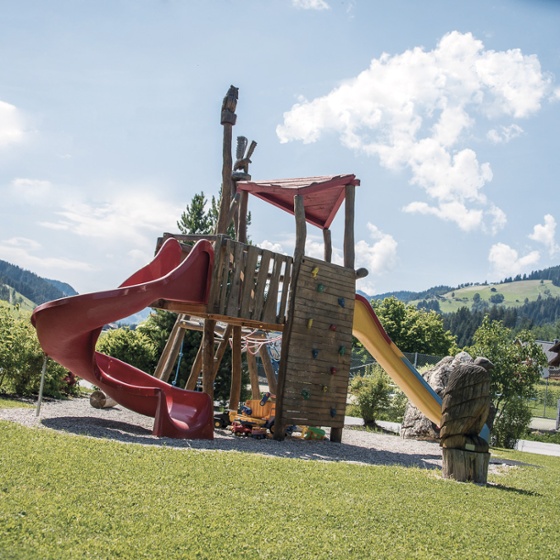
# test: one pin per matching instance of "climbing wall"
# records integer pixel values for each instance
(319, 346)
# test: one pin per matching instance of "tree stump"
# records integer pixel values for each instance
(98, 399)
(465, 466)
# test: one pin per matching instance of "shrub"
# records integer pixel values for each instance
(130, 346)
(372, 394)
(512, 424)
(21, 360)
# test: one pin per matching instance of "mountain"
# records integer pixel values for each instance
(29, 285)
(65, 288)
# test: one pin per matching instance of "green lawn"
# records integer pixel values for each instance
(67, 496)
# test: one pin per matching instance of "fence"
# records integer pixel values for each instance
(418, 360)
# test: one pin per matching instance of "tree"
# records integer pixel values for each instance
(196, 219)
(414, 330)
(517, 368)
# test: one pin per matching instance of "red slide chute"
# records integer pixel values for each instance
(68, 330)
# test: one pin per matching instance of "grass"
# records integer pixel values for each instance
(71, 497)
(514, 294)
(12, 402)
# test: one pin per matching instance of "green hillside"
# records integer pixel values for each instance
(515, 294)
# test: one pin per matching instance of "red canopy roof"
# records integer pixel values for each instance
(322, 196)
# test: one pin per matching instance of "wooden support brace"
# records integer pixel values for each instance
(235, 391)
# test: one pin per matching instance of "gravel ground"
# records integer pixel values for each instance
(78, 417)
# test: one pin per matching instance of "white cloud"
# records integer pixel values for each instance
(29, 255)
(11, 125)
(32, 191)
(504, 134)
(311, 4)
(417, 110)
(505, 261)
(272, 246)
(131, 216)
(546, 234)
(379, 257)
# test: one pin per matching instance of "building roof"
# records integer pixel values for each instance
(322, 196)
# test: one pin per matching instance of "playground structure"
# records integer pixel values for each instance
(227, 287)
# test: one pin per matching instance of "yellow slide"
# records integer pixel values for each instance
(369, 331)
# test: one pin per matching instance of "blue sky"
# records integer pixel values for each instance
(448, 113)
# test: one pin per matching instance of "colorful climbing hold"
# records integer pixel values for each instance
(321, 288)
(342, 350)
(341, 302)
(309, 323)
(315, 271)
(305, 394)
(315, 353)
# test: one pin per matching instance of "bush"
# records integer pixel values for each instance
(511, 424)
(130, 346)
(372, 394)
(21, 360)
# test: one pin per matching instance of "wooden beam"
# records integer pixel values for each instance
(328, 244)
(349, 214)
(171, 350)
(268, 370)
(208, 358)
(235, 391)
(242, 220)
(253, 375)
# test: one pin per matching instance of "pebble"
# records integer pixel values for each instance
(76, 416)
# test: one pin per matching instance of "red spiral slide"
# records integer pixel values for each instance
(68, 330)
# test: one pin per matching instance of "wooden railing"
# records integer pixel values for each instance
(249, 283)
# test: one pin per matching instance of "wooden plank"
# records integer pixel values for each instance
(261, 283)
(271, 305)
(234, 292)
(285, 288)
(248, 294)
(225, 278)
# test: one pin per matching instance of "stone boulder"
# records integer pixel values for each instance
(415, 425)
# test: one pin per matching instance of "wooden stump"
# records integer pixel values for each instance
(465, 466)
(98, 399)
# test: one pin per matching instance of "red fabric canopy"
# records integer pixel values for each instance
(322, 196)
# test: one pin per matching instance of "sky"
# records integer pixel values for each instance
(447, 112)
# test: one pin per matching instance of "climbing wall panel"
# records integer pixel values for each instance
(319, 345)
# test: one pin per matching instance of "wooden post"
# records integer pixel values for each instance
(242, 221)
(222, 347)
(349, 249)
(228, 118)
(299, 253)
(328, 244)
(253, 375)
(196, 368)
(171, 350)
(235, 391)
(208, 357)
(268, 370)
(465, 466)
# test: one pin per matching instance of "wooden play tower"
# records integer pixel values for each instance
(310, 301)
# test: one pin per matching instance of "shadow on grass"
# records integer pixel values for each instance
(290, 448)
(514, 490)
